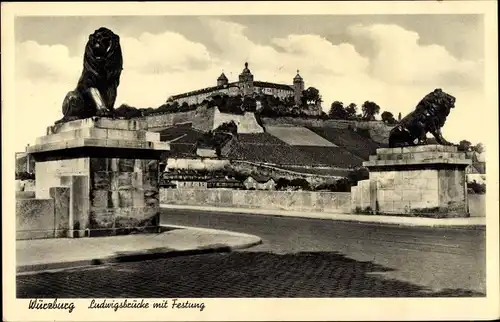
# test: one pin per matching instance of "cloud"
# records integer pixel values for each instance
(397, 75)
(35, 61)
(400, 59)
(163, 53)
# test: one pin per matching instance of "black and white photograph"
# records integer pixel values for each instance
(229, 161)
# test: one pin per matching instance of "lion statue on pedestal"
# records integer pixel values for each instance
(96, 91)
(429, 116)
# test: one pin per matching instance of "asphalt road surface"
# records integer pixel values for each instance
(298, 258)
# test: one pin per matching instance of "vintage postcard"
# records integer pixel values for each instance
(223, 161)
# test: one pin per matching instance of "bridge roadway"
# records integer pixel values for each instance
(298, 258)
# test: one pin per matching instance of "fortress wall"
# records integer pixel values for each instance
(203, 119)
(169, 119)
(247, 123)
(378, 130)
(267, 121)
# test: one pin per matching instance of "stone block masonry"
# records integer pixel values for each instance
(328, 202)
(427, 180)
(112, 170)
(123, 193)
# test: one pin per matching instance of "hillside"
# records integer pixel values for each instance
(298, 135)
(183, 140)
(267, 148)
(301, 148)
(350, 140)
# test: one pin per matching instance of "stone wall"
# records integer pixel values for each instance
(424, 180)
(203, 120)
(34, 218)
(398, 189)
(25, 185)
(267, 121)
(452, 189)
(48, 173)
(169, 119)
(477, 205)
(330, 202)
(43, 218)
(379, 131)
(123, 194)
(247, 123)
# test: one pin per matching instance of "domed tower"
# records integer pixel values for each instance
(222, 80)
(246, 81)
(298, 87)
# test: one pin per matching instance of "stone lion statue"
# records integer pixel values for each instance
(96, 91)
(429, 116)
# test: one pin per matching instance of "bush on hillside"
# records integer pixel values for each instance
(127, 112)
(479, 188)
(364, 133)
(230, 127)
(357, 175)
(25, 176)
(217, 138)
(342, 185)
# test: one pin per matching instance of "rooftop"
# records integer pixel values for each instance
(222, 77)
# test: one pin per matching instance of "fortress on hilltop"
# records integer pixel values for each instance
(245, 86)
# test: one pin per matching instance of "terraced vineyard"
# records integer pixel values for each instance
(348, 139)
(184, 140)
(332, 156)
(348, 150)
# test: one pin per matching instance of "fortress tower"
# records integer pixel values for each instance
(222, 80)
(246, 81)
(298, 87)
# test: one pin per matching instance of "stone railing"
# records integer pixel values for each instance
(43, 218)
(329, 202)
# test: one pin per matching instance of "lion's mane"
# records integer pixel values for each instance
(429, 116)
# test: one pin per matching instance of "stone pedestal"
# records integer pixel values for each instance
(112, 169)
(427, 181)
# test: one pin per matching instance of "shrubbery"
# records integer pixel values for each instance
(479, 188)
(25, 176)
(357, 175)
(217, 138)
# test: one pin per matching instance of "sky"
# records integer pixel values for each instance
(393, 60)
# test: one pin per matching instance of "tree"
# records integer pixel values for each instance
(356, 175)
(388, 117)
(399, 117)
(311, 96)
(370, 109)
(337, 111)
(249, 104)
(127, 111)
(282, 183)
(351, 111)
(464, 145)
(479, 148)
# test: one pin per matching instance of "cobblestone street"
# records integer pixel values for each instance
(298, 258)
(240, 274)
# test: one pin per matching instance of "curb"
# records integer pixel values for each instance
(136, 256)
(325, 216)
